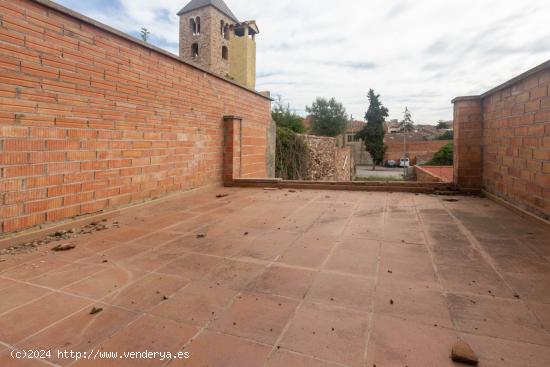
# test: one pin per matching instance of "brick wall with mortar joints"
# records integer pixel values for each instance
(516, 140)
(91, 120)
(421, 150)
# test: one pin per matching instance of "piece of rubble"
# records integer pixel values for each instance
(222, 196)
(463, 353)
(269, 189)
(201, 235)
(65, 247)
(95, 310)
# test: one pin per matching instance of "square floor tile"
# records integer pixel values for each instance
(105, 282)
(284, 358)
(19, 294)
(328, 333)
(196, 303)
(355, 255)
(284, 281)
(396, 342)
(234, 274)
(192, 267)
(30, 318)
(229, 351)
(343, 290)
(258, 317)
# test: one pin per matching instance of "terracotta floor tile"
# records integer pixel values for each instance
(343, 290)
(28, 319)
(146, 292)
(472, 280)
(542, 312)
(7, 360)
(153, 259)
(226, 247)
(5, 283)
(268, 246)
(283, 281)
(124, 234)
(255, 316)
(234, 274)
(328, 333)
(531, 287)
(156, 239)
(148, 333)
(496, 317)
(195, 304)
(63, 276)
(355, 255)
(308, 252)
(496, 352)
(394, 342)
(34, 268)
(18, 294)
(283, 358)
(420, 304)
(80, 332)
(192, 267)
(229, 351)
(107, 281)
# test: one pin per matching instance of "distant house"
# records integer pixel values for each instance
(392, 126)
(352, 128)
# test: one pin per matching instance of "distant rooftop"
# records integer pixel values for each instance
(218, 4)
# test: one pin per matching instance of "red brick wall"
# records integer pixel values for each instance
(91, 120)
(467, 160)
(516, 141)
(423, 150)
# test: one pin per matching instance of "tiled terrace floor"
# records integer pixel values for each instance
(285, 279)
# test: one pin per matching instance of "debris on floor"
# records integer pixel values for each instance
(451, 200)
(95, 310)
(60, 235)
(65, 247)
(463, 353)
(201, 235)
(219, 196)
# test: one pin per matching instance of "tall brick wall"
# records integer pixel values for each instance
(423, 150)
(91, 119)
(505, 141)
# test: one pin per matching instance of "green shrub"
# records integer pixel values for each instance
(443, 157)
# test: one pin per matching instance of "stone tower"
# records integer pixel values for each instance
(212, 37)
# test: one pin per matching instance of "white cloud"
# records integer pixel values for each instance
(419, 53)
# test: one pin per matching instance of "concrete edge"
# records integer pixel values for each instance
(83, 18)
(43, 230)
(520, 211)
(514, 80)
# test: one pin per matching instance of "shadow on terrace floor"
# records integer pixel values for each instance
(290, 278)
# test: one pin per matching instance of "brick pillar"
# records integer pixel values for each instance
(232, 148)
(468, 140)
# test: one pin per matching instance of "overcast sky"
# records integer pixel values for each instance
(419, 53)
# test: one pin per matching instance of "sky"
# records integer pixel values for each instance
(418, 54)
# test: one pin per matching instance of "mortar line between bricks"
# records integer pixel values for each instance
(370, 326)
(476, 245)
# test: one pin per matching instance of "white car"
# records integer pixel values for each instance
(404, 162)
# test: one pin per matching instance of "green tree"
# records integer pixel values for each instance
(441, 125)
(144, 34)
(329, 117)
(283, 117)
(373, 132)
(443, 157)
(447, 135)
(407, 124)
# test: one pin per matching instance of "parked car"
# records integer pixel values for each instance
(404, 162)
(391, 163)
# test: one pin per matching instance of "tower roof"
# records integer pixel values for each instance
(218, 4)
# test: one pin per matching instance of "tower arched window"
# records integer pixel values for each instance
(222, 24)
(195, 50)
(225, 53)
(198, 21)
(193, 26)
(226, 32)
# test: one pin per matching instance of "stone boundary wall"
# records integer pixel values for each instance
(93, 119)
(423, 151)
(503, 141)
(326, 160)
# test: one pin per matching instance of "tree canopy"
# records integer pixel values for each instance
(443, 157)
(283, 117)
(329, 117)
(373, 132)
(406, 125)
